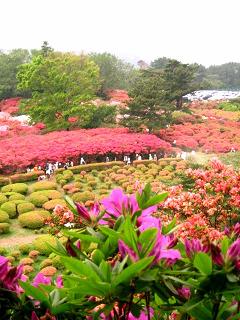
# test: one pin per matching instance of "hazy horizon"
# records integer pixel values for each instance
(202, 32)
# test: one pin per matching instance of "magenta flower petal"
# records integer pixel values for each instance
(41, 279)
(3, 267)
(59, 282)
(126, 250)
(83, 212)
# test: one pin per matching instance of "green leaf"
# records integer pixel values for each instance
(129, 234)
(71, 205)
(36, 293)
(147, 239)
(203, 263)
(224, 245)
(132, 271)
(79, 268)
(109, 232)
(155, 200)
(169, 227)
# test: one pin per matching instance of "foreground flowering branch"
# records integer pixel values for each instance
(124, 264)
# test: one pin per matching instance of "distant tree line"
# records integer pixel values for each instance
(59, 88)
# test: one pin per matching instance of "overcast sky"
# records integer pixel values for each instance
(203, 31)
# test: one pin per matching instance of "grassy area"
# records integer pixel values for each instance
(231, 158)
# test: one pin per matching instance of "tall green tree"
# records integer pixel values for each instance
(114, 72)
(9, 64)
(148, 105)
(178, 81)
(60, 84)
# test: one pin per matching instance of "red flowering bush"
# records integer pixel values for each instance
(10, 105)
(22, 151)
(213, 204)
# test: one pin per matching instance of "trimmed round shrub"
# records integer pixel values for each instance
(44, 185)
(94, 173)
(51, 204)
(103, 191)
(45, 263)
(62, 182)
(92, 183)
(10, 259)
(83, 196)
(27, 269)
(3, 198)
(16, 196)
(4, 217)
(33, 254)
(16, 254)
(27, 261)
(4, 227)
(25, 248)
(16, 187)
(3, 251)
(44, 213)
(31, 220)
(41, 244)
(25, 207)
(57, 263)
(67, 175)
(49, 271)
(38, 199)
(11, 208)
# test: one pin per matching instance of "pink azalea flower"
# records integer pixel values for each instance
(88, 215)
(118, 204)
(9, 276)
(59, 282)
(41, 279)
(184, 292)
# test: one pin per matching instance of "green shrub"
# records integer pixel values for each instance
(45, 263)
(4, 227)
(44, 185)
(3, 198)
(67, 175)
(4, 181)
(41, 244)
(62, 182)
(16, 254)
(103, 191)
(83, 196)
(4, 217)
(16, 196)
(94, 173)
(50, 194)
(16, 187)
(3, 251)
(25, 207)
(23, 177)
(92, 183)
(31, 220)
(38, 199)
(11, 208)
(57, 263)
(25, 248)
(169, 168)
(44, 213)
(51, 204)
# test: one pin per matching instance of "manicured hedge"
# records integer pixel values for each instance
(31, 220)
(38, 199)
(24, 177)
(51, 204)
(93, 166)
(25, 207)
(4, 181)
(44, 185)
(16, 187)
(3, 198)
(4, 217)
(41, 244)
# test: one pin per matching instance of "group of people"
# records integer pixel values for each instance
(51, 167)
